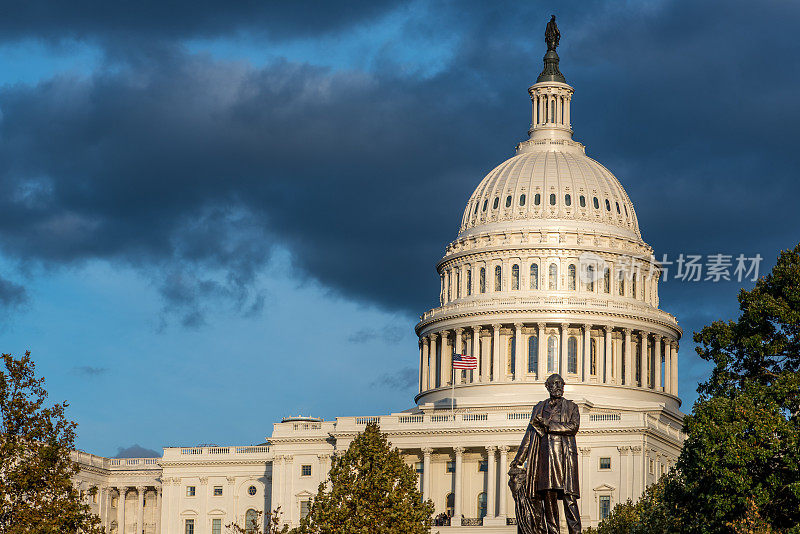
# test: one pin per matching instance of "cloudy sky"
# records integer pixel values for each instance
(219, 214)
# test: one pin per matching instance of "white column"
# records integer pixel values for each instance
(458, 493)
(519, 356)
(644, 372)
(459, 350)
(121, 510)
(675, 368)
(102, 499)
(421, 367)
(425, 363)
(636, 461)
(432, 363)
(541, 374)
(491, 483)
(562, 364)
(288, 478)
(447, 359)
(584, 503)
(628, 358)
(667, 365)
(503, 491)
(495, 353)
(426, 473)
(476, 351)
(277, 483)
(607, 362)
(159, 504)
(587, 334)
(140, 510)
(624, 474)
(657, 361)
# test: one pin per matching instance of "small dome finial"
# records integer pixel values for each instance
(552, 36)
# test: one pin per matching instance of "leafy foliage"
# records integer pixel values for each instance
(256, 524)
(36, 491)
(370, 490)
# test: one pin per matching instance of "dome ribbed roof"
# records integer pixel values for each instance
(574, 191)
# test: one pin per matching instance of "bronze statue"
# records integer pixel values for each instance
(551, 34)
(551, 454)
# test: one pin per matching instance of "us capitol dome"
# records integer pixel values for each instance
(548, 274)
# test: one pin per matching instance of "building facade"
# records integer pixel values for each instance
(548, 274)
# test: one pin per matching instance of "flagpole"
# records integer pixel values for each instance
(453, 394)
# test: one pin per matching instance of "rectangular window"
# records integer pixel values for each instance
(217, 491)
(189, 526)
(605, 463)
(652, 467)
(605, 506)
(305, 471)
(483, 466)
(451, 467)
(419, 467)
(305, 508)
(190, 491)
(216, 526)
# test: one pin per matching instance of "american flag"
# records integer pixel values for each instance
(462, 361)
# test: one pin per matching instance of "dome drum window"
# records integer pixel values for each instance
(522, 199)
(552, 199)
(485, 203)
(567, 199)
(498, 278)
(537, 199)
(608, 205)
(595, 202)
(508, 201)
(582, 200)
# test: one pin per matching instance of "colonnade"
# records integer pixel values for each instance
(550, 108)
(106, 512)
(506, 353)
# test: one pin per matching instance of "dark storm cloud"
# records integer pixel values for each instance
(402, 379)
(12, 295)
(88, 370)
(391, 335)
(115, 21)
(194, 169)
(136, 451)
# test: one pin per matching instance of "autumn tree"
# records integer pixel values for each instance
(370, 489)
(36, 490)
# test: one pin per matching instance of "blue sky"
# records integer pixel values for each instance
(187, 251)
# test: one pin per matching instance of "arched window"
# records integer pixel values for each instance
(485, 203)
(552, 199)
(498, 278)
(572, 355)
(469, 282)
(533, 354)
(568, 200)
(482, 281)
(475, 212)
(590, 278)
(621, 284)
(618, 208)
(251, 521)
(552, 354)
(607, 280)
(508, 201)
(553, 282)
(537, 199)
(482, 504)
(594, 201)
(552, 111)
(583, 201)
(497, 203)
(522, 199)
(534, 281)
(572, 277)
(633, 286)
(593, 357)
(512, 355)
(608, 205)
(458, 284)
(515, 277)
(450, 504)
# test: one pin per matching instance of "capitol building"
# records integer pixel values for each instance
(548, 273)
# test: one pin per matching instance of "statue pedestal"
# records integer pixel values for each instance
(494, 521)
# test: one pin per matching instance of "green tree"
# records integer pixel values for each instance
(743, 444)
(654, 513)
(36, 491)
(370, 490)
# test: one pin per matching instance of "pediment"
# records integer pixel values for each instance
(605, 487)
